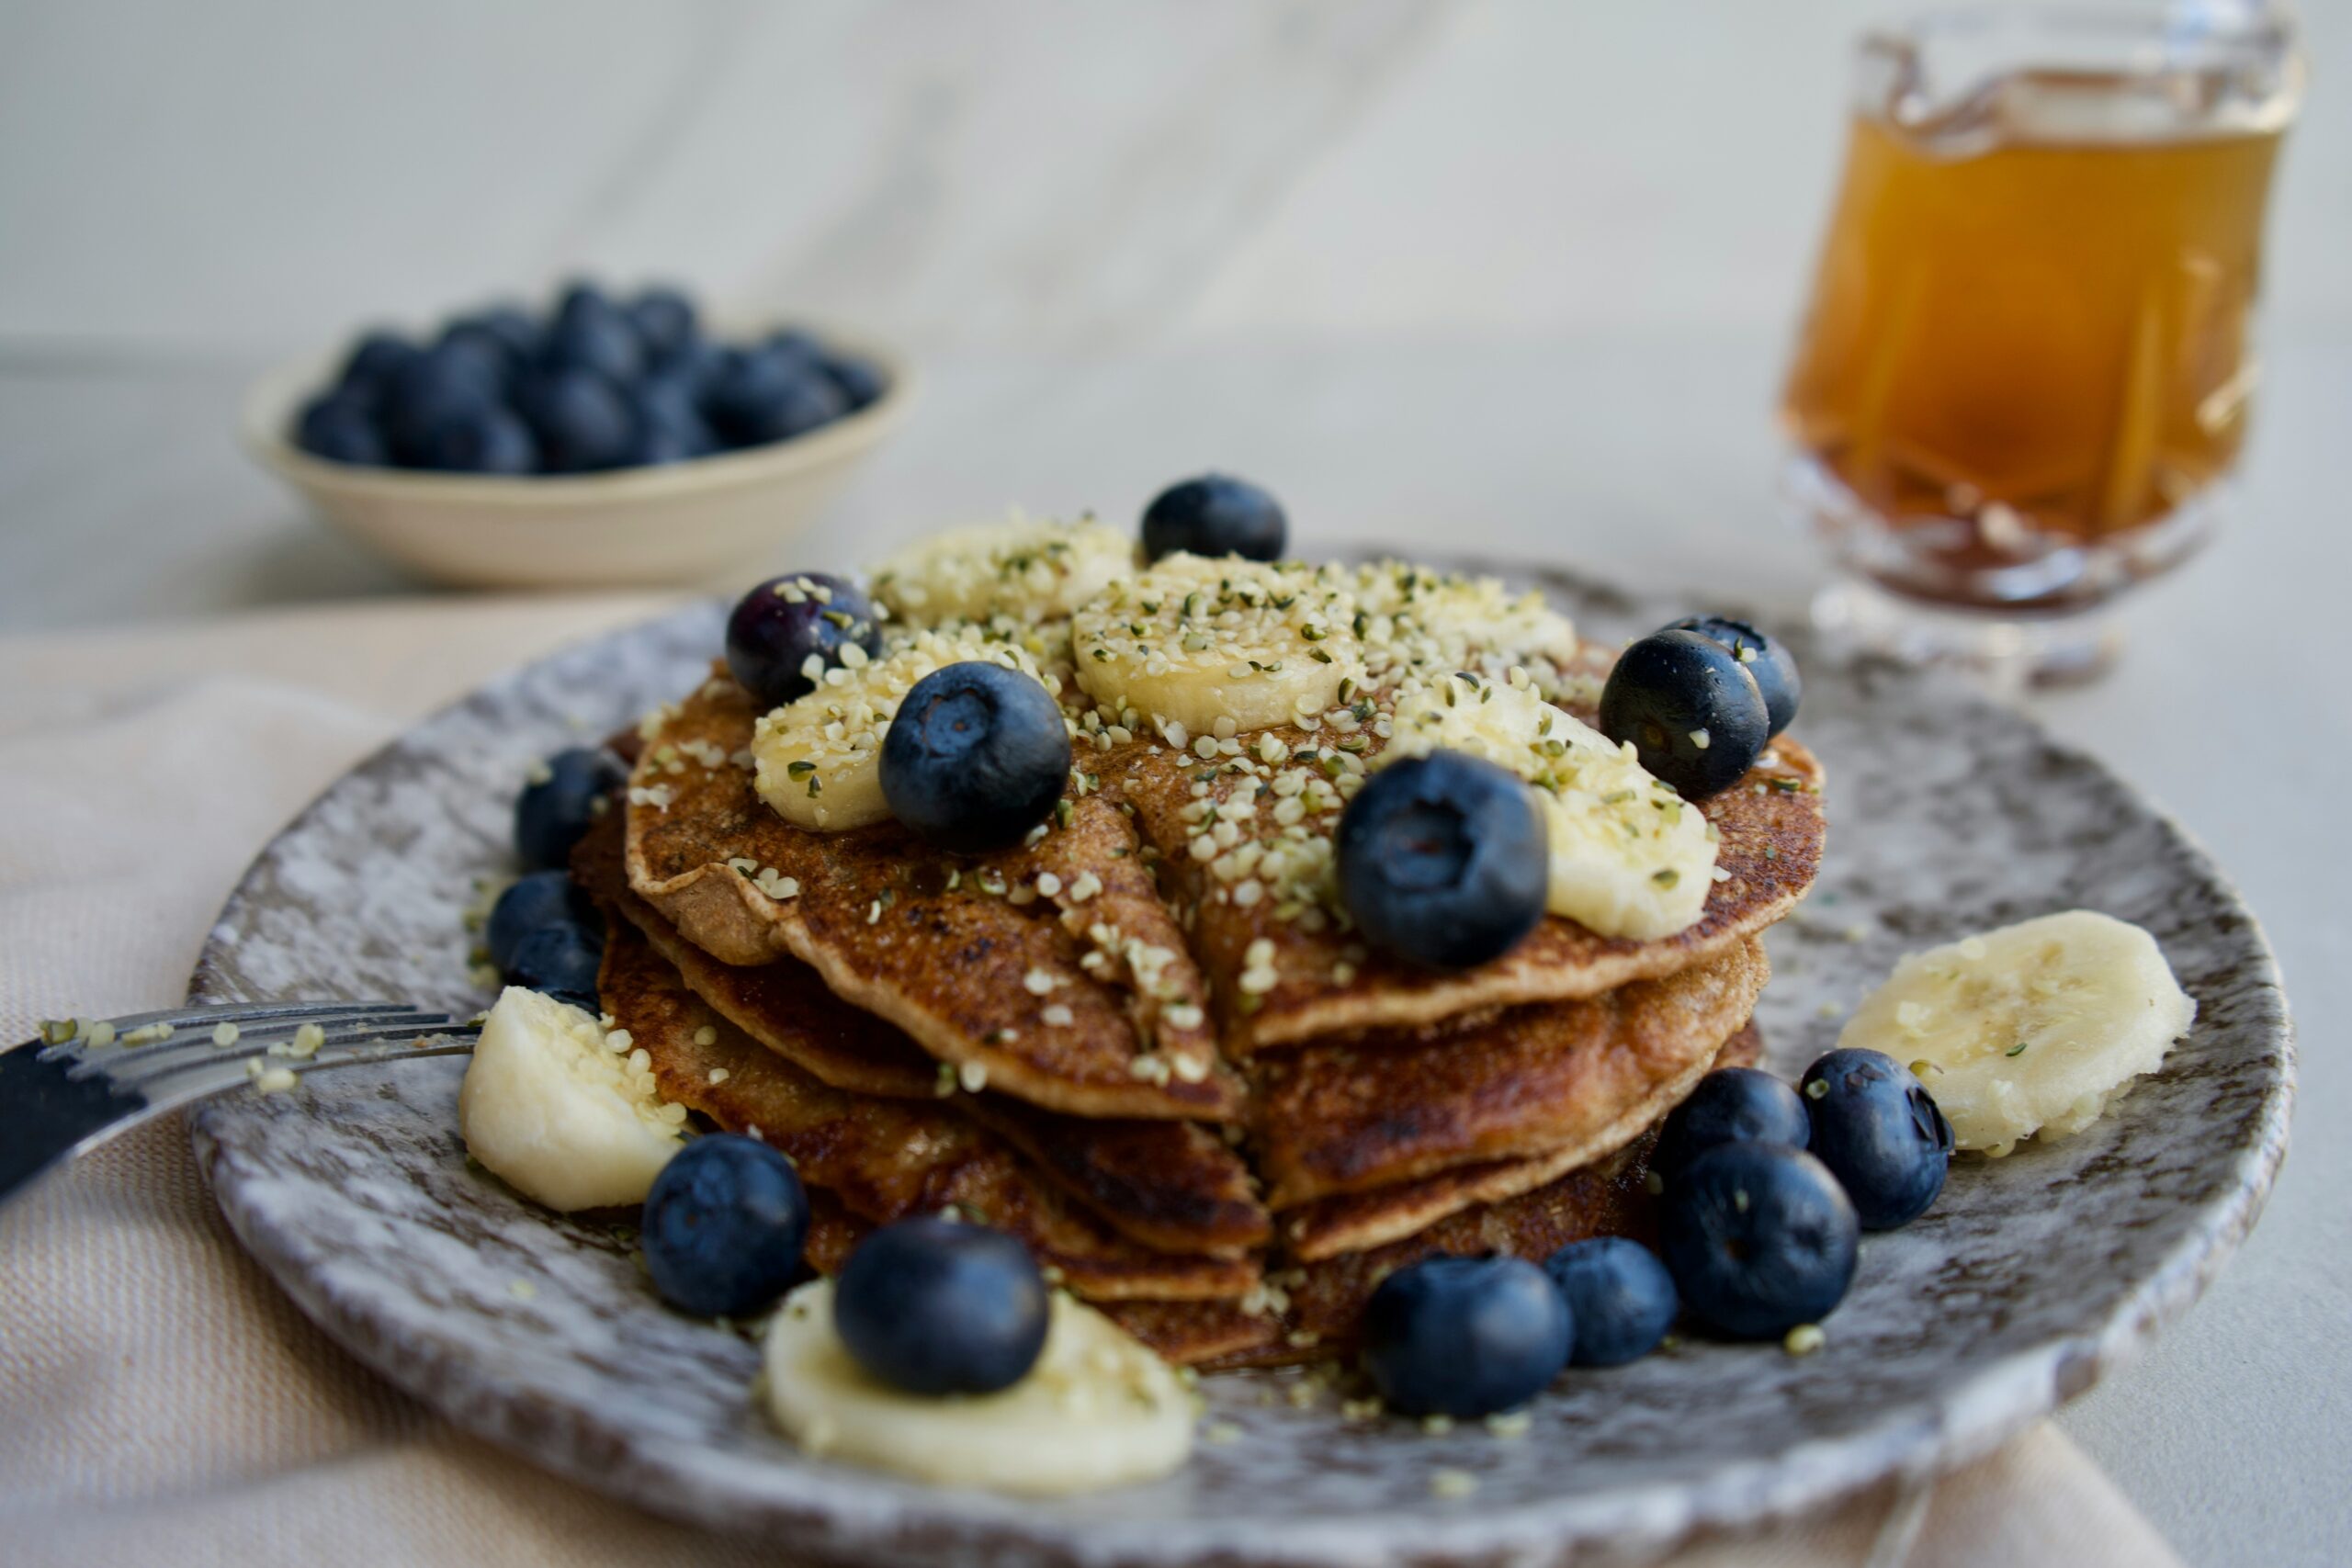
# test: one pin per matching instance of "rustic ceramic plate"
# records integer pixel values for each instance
(2032, 1277)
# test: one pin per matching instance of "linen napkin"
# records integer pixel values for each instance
(160, 1401)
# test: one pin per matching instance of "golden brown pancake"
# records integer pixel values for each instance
(1357, 1222)
(935, 943)
(1346, 1117)
(883, 1159)
(1173, 1185)
(1771, 828)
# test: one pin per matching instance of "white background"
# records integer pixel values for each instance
(1504, 277)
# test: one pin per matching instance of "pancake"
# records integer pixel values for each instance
(1358, 1222)
(1186, 1334)
(1771, 825)
(1578, 1078)
(883, 1160)
(1173, 1185)
(1082, 998)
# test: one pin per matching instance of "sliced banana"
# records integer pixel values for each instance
(818, 758)
(1628, 857)
(1435, 622)
(2032, 1028)
(1027, 568)
(1193, 642)
(1097, 1410)
(562, 1111)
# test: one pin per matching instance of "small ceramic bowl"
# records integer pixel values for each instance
(675, 522)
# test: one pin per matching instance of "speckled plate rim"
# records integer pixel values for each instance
(818, 1515)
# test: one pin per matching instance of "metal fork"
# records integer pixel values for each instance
(85, 1080)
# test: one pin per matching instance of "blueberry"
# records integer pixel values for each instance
(697, 364)
(1215, 516)
(1769, 664)
(553, 812)
(560, 960)
(374, 362)
(445, 381)
(1760, 1238)
(1620, 1297)
(490, 350)
(486, 438)
(582, 423)
(664, 319)
(770, 393)
(1731, 1105)
(1442, 860)
(860, 381)
(1879, 1133)
(1695, 715)
(513, 328)
(669, 426)
(723, 1226)
(338, 426)
(595, 338)
(976, 756)
(1465, 1336)
(541, 899)
(778, 625)
(934, 1307)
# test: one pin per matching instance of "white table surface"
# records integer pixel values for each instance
(1648, 457)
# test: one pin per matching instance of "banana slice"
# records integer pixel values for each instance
(2035, 1027)
(819, 756)
(1628, 857)
(1097, 1410)
(1437, 622)
(1030, 569)
(565, 1112)
(1193, 642)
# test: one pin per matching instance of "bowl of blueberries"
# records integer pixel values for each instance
(610, 440)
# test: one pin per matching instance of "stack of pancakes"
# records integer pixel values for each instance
(1220, 1123)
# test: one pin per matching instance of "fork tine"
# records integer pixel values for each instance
(122, 1049)
(198, 1080)
(144, 1065)
(187, 1015)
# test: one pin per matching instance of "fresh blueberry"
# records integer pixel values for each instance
(1441, 860)
(934, 1307)
(552, 812)
(338, 427)
(541, 899)
(696, 364)
(512, 327)
(1879, 1133)
(1694, 714)
(860, 381)
(443, 382)
(1731, 1105)
(486, 438)
(374, 362)
(1773, 668)
(976, 756)
(582, 423)
(669, 426)
(1760, 1238)
(664, 319)
(778, 625)
(1620, 1297)
(560, 960)
(1465, 1336)
(770, 393)
(1215, 516)
(723, 1226)
(594, 338)
(490, 349)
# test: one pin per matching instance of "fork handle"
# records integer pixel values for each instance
(52, 1114)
